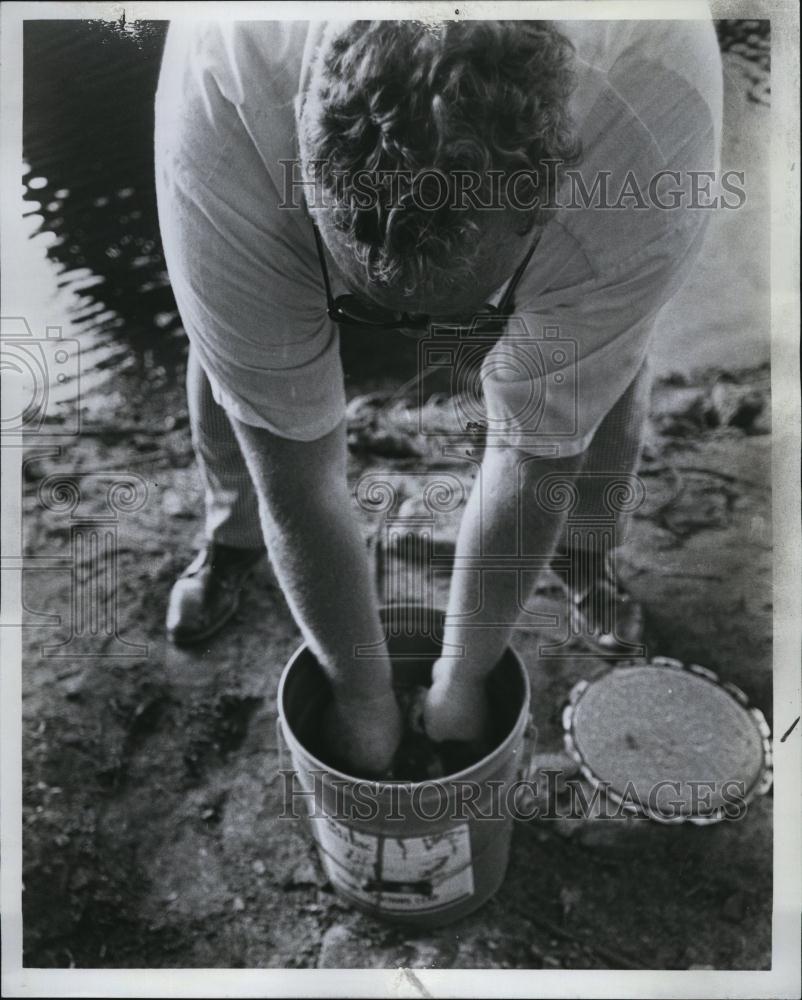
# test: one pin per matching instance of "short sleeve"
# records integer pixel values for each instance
(567, 357)
(243, 268)
(631, 220)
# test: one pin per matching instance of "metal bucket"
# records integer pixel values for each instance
(427, 852)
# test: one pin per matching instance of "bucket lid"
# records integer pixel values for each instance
(669, 741)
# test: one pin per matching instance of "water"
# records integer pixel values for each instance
(89, 199)
(94, 264)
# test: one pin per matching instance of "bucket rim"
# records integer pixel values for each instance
(523, 718)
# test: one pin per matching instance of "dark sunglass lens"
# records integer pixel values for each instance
(489, 321)
(359, 311)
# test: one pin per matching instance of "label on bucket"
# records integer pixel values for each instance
(398, 874)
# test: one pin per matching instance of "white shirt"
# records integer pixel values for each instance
(244, 268)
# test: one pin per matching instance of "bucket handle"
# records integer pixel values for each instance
(527, 768)
(281, 745)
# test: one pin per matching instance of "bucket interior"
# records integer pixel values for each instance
(306, 689)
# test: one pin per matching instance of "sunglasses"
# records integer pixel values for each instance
(352, 310)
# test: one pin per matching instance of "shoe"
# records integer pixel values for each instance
(206, 595)
(603, 615)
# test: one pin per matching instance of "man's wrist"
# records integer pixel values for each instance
(462, 669)
(372, 684)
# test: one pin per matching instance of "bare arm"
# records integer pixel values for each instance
(502, 518)
(321, 562)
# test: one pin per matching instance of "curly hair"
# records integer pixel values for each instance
(415, 106)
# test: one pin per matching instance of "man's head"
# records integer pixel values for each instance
(434, 150)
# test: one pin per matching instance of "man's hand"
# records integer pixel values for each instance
(503, 519)
(315, 544)
(363, 734)
(456, 705)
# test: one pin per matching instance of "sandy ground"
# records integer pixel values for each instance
(151, 796)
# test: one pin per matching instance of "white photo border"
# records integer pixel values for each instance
(783, 979)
